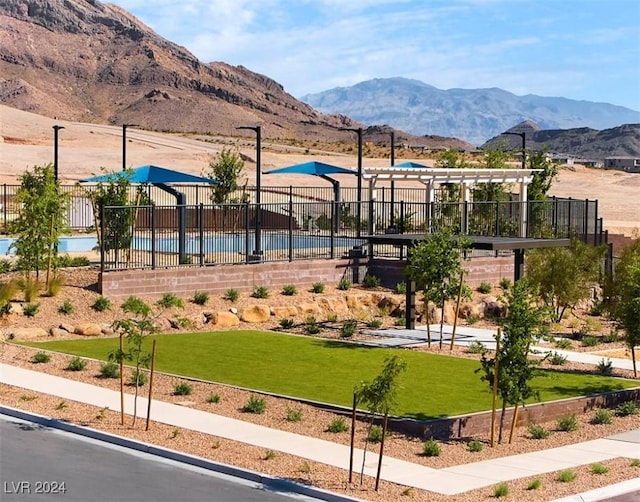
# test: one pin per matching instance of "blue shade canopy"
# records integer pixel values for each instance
(414, 165)
(313, 168)
(152, 175)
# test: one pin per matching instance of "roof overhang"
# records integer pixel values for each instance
(439, 175)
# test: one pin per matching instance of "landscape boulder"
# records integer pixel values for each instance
(256, 314)
(225, 319)
(27, 333)
(88, 329)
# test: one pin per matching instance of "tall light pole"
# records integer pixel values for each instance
(258, 130)
(359, 194)
(393, 183)
(524, 146)
(56, 128)
(124, 144)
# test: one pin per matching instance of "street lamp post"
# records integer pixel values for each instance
(524, 145)
(258, 245)
(124, 144)
(359, 194)
(56, 128)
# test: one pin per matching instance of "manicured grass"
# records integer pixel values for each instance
(323, 370)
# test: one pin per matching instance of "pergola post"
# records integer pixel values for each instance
(524, 212)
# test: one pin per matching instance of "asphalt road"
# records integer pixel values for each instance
(42, 464)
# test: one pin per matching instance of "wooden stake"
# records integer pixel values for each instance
(353, 436)
(455, 319)
(50, 257)
(153, 362)
(121, 357)
(514, 419)
(495, 391)
(384, 433)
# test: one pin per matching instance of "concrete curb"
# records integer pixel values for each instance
(272, 482)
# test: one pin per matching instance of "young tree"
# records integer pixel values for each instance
(41, 220)
(622, 296)
(564, 276)
(520, 329)
(136, 327)
(435, 265)
(225, 168)
(379, 396)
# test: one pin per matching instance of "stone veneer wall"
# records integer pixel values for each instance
(218, 279)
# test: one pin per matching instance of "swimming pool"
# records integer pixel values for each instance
(69, 244)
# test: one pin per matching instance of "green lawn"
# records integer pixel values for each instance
(323, 370)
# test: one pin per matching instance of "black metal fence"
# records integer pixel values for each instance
(155, 236)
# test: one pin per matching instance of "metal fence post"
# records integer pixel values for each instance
(246, 232)
(153, 237)
(201, 232)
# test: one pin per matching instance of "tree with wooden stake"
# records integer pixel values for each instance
(622, 296)
(136, 329)
(379, 396)
(435, 265)
(511, 364)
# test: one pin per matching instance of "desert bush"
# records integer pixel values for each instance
(374, 323)
(182, 389)
(534, 484)
(101, 304)
(344, 284)
(602, 416)
(231, 295)
(566, 475)
(260, 292)
(375, 434)
(109, 370)
(401, 288)
(311, 326)
(286, 323)
(590, 341)
(431, 448)
(371, 281)
(289, 290)
(557, 359)
(169, 300)
(501, 490)
(66, 308)
(338, 425)
(599, 468)
(485, 287)
(30, 288)
(138, 378)
(505, 283)
(605, 366)
(55, 285)
(538, 431)
(255, 404)
(76, 364)
(476, 347)
(567, 423)
(475, 446)
(562, 343)
(200, 297)
(348, 328)
(213, 398)
(627, 408)
(30, 309)
(40, 357)
(294, 415)
(332, 317)
(317, 287)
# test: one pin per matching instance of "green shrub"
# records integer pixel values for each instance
(311, 326)
(40, 357)
(627, 408)
(612, 337)
(317, 287)
(348, 328)
(401, 288)
(599, 469)
(66, 308)
(505, 283)
(5, 266)
(255, 404)
(485, 287)
(567, 423)
(563, 343)
(213, 398)
(338, 425)
(605, 367)
(270, 454)
(101, 304)
(30, 287)
(501, 490)
(374, 324)
(476, 347)
(375, 434)
(400, 321)
(260, 292)
(55, 285)
(200, 297)
(566, 475)
(286, 323)
(182, 389)
(76, 364)
(371, 281)
(590, 341)
(475, 446)
(231, 295)
(557, 359)
(169, 300)
(344, 284)
(538, 432)
(110, 370)
(294, 415)
(30, 309)
(138, 378)
(332, 317)
(602, 417)
(635, 462)
(289, 290)
(534, 484)
(431, 448)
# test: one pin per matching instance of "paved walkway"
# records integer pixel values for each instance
(448, 481)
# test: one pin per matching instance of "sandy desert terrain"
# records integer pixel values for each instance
(26, 140)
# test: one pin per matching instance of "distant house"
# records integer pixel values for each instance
(591, 163)
(628, 164)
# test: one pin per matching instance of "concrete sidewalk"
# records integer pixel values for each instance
(448, 481)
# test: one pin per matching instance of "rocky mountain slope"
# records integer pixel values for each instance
(86, 61)
(474, 115)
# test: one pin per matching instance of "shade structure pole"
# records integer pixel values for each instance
(257, 252)
(358, 131)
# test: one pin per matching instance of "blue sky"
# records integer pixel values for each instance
(578, 49)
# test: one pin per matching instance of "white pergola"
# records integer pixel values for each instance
(431, 177)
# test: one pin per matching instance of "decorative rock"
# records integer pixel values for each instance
(27, 333)
(233, 310)
(492, 307)
(256, 314)
(284, 312)
(307, 309)
(336, 305)
(15, 308)
(226, 320)
(69, 328)
(58, 332)
(471, 310)
(88, 329)
(108, 330)
(208, 317)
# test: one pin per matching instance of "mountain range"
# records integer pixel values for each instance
(82, 60)
(474, 115)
